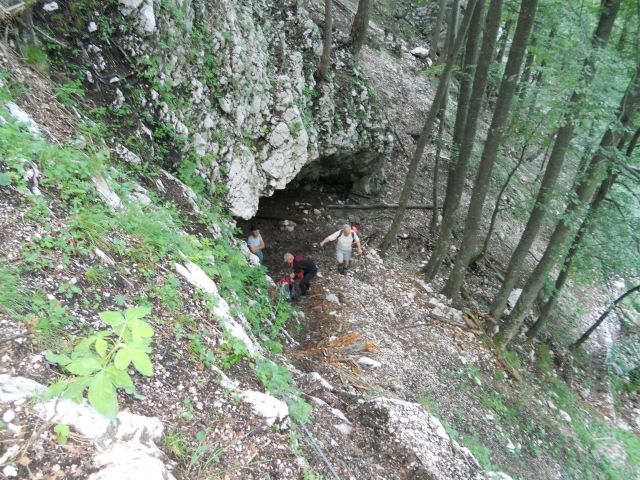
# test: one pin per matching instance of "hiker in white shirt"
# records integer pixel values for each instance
(345, 239)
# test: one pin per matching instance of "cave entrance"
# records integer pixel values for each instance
(307, 206)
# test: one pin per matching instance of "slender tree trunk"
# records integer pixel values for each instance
(504, 39)
(525, 79)
(622, 40)
(472, 50)
(601, 194)
(575, 210)
(602, 318)
(326, 48)
(359, 27)
(435, 35)
(495, 138)
(451, 27)
(433, 225)
(554, 164)
(443, 86)
(496, 208)
(452, 202)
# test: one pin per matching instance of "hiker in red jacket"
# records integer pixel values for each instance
(302, 266)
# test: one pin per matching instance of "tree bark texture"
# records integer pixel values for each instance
(435, 35)
(554, 164)
(562, 234)
(452, 201)
(599, 197)
(360, 26)
(443, 87)
(325, 59)
(494, 139)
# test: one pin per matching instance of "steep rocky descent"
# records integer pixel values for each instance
(225, 89)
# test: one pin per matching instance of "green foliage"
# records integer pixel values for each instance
(37, 57)
(62, 433)
(545, 359)
(99, 362)
(14, 294)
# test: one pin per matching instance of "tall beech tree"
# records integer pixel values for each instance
(494, 139)
(360, 26)
(452, 201)
(441, 91)
(326, 47)
(585, 226)
(564, 230)
(471, 52)
(608, 12)
(437, 27)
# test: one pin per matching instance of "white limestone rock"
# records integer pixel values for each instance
(407, 429)
(420, 52)
(199, 279)
(23, 117)
(50, 7)
(369, 362)
(108, 195)
(332, 298)
(267, 406)
(513, 299)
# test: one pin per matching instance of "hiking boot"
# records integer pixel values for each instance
(343, 270)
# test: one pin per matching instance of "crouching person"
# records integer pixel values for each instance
(304, 267)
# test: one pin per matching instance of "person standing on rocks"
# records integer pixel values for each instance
(256, 244)
(346, 238)
(304, 268)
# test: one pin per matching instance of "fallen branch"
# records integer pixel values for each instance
(380, 206)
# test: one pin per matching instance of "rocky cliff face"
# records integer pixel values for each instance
(226, 90)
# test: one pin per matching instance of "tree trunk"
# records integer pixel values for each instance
(472, 50)
(494, 139)
(452, 202)
(496, 208)
(433, 225)
(435, 35)
(359, 27)
(443, 86)
(504, 39)
(601, 194)
(575, 209)
(525, 79)
(554, 164)
(451, 27)
(602, 318)
(325, 59)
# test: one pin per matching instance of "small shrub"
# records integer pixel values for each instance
(99, 362)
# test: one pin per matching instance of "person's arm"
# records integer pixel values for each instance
(358, 245)
(330, 238)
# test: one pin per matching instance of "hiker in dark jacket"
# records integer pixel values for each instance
(302, 266)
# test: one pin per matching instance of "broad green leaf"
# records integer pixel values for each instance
(112, 318)
(135, 313)
(120, 378)
(122, 358)
(142, 362)
(62, 433)
(60, 359)
(102, 395)
(140, 329)
(84, 366)
(101, 347)
(55, 389)
(84, 345)
(76, 388)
